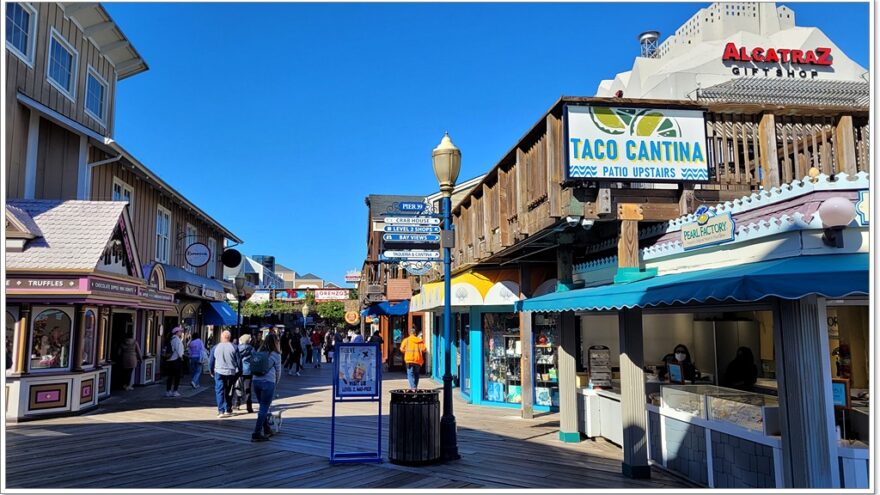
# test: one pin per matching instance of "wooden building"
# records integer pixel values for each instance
(64, 61)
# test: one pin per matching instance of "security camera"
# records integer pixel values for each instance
(573, 221)
(587, 223)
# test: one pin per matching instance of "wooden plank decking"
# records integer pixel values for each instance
(141, 440)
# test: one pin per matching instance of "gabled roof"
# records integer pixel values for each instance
(73, 236)
(309, 276)
(281, 268)
(99, 27)
(21, 222)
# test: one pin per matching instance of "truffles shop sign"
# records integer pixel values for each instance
(635, 144)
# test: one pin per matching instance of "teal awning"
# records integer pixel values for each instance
(789, 278)
(220, 314)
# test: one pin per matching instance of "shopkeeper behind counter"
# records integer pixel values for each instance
(681, 357)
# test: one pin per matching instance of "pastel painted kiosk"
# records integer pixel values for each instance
(357, 377)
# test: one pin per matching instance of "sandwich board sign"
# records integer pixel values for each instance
(357, 377)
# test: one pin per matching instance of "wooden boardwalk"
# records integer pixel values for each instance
(141, 440)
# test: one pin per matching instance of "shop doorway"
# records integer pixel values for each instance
(463, 331)
(120, 324)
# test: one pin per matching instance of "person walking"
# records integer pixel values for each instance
(131, 356)
(376, 338)
(198, 356)
(329, 341)
(317, 339)
(306, 344)
(413, 350)
(285, 349)
(225, 365)
(174, 363)
(244, 388)
(358, 338)
(296, 354)
(264, 384)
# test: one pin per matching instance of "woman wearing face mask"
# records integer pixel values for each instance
(682, 356)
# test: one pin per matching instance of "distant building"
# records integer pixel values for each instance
(255, 273)
(307, 281)
(286, 274)
(265, 260)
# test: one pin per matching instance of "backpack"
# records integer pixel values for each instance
(261, 363)
(167, 351)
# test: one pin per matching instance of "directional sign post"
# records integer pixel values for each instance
(413, 229)
(412, 220)
(413, 254)
(413, 238)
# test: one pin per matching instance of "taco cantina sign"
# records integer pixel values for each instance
(819, 57)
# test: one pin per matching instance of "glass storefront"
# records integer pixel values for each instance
(502, 353)
(546, 360)
(50, 347)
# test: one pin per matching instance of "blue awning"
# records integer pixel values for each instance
(789, 278)
(220, 314)
(387, 309)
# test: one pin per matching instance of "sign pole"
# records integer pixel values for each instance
(357, 377)
(448, 440)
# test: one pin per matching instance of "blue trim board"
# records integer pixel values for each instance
(570, 437)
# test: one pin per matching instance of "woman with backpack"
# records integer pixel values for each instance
(266, 370)
(243, 390)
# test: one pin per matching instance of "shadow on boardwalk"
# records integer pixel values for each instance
(141, 440)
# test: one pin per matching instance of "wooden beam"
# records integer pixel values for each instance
(649, 212)
(769, 157)
(845, 146)
(628, 244)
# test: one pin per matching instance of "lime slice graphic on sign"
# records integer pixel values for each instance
(656, 124)
(607, 120)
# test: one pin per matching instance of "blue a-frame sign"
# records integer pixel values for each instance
(357, 377)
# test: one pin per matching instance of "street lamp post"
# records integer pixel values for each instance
(447, 162)
(305, 313)
(239, 293)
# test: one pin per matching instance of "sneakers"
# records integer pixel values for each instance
(297, 373)
(221, 415)
(175, 394)
(194, 384)
(256, 437)
(227, 414)
(168, 394)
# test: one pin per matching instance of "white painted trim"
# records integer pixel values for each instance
(211, 271)
(189, 240)
(160, 208)
(778, 468)
(59, 119)
(83, 177)
(710, 464)
(35, 312)
(102, 120)
(124, 186)
(28, 59)
(91, 366)
(30, 161)
(71, 93)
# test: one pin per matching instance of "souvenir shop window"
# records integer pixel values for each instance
(10, 339)
(89, 330)
(546, 360)
(502, 354)
(50, 347)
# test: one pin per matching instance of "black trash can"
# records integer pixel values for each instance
(414, 427)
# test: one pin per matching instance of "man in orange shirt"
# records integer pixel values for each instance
(413, 350)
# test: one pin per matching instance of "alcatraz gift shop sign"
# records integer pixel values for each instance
(635, 144)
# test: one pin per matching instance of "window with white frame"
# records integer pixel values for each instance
(61, 65)
(212, 259)
(192, 235)
(21, 30)
(163, 234)
(122, 192)
(96, 96)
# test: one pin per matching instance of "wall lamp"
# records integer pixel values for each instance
(836, 213)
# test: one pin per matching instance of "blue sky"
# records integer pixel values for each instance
(278, 119)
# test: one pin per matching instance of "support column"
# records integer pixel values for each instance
(845, 145)
(24, 338)
(767, 146)
(30, 160)
(568, 414)
(79, 326)
(632, 395)
(809, 442)
(527, 339)
(103, 321)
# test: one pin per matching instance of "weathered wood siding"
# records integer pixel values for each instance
(146, 200)
(33, 82)
(17, 121)
(57, 162)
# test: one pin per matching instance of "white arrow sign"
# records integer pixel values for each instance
(412, 220)
(414, 254)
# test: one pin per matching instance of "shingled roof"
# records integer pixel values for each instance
(788, 92)
(73, 233)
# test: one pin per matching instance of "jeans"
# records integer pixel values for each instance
(224, 386)
(412, 374)
(265, 391)
(243, 394)
(195, 368)
(174, 369)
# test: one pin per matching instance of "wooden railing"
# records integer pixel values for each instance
(748, 147)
